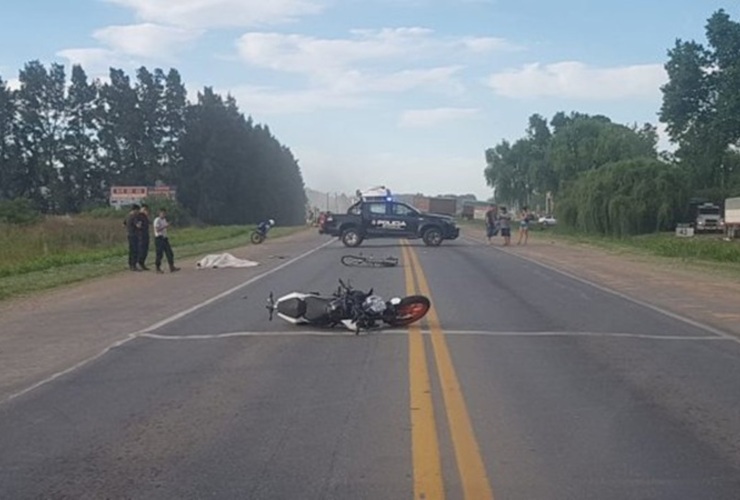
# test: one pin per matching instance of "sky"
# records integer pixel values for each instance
(403, 93)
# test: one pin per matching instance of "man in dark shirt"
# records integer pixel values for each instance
(142, 227)
(133, 236)
(491, 222)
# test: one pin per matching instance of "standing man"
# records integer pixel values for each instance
(505, 224)
(143, 228)
(162, 243)
(491, 222)
(133, 237)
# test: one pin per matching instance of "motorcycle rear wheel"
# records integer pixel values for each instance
(409, 310)
(256, 237)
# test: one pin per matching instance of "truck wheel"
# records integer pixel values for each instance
(351, 237)
(432, 237)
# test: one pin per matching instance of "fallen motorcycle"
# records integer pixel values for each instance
(355, 309)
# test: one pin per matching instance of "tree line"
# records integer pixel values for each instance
(609, 178)
(63, 144)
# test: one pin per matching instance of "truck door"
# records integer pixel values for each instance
(375, 218)
(404, 218)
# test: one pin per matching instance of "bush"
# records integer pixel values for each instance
(105, 213)
(19, 211)
(624, 198)
(176, 213)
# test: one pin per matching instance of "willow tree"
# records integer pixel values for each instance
(627, 197)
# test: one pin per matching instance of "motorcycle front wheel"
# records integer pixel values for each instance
(409, 310)
(257, 237)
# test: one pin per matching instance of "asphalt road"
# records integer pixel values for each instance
(522, 383)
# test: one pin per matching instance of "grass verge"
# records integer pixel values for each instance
(705, 253)
(188, 242)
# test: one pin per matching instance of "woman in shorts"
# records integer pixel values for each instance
(524, 227)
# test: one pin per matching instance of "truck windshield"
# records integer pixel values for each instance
(709, 211)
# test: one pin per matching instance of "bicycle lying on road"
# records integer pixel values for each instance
(368, 261)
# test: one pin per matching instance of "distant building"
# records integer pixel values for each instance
(475, 210)
(123, 196)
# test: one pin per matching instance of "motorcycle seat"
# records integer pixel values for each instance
(315, 308)
(294, 308)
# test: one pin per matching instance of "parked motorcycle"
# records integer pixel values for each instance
(259, 234)
(355, 309)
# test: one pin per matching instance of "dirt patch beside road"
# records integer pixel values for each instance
(691, 291)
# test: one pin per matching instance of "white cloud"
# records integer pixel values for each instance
(95, 61)
(221, 13)
(417, 118)
(146, 40)
(575, 80)
(380, 61)
(13, 84)
(347, 91)
(352, 82)
(306, 54)
(664, 140)
(255, 100)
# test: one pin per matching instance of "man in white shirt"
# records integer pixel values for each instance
(162, 243)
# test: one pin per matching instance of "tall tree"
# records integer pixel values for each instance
(9, 167)
(121, 130)
(212, 154)
(174, 107)
(82, 181)
(701, 101)
(150, 98)
(234, 172)
(582, 142)
(40, 128)
(508, 171)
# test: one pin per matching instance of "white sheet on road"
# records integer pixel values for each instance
(214, 261)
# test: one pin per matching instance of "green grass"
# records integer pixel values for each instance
(60, 251)
(703, 248)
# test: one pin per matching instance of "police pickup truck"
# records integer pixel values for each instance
(388, 219)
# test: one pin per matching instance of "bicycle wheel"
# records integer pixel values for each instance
(353, 260)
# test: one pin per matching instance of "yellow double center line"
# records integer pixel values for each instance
(428, 480)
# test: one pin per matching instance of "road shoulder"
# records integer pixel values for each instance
(706, 297)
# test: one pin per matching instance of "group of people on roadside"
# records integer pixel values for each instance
(498, 220)
(137, 226)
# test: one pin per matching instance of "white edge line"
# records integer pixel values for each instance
(159, 324)
(658, 309)
(72, 368)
